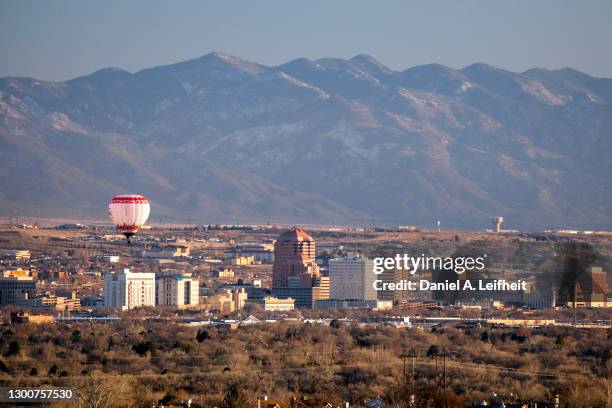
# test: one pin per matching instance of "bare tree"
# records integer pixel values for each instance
(104, 392)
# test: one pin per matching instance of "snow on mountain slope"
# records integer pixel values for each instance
(332, 140)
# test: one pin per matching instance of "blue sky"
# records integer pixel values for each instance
(58, 40)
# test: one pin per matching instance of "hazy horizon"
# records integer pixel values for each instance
(59, 41)
(311, 59)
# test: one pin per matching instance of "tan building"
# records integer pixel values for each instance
(179, 250)
(53, 302)
(167, 252)
(261, 253)
(321, 288)
(223, 273)
(272, 304)
(242, 261)
(229, 301)
(12, 273)
(17, 254)
(25, 317)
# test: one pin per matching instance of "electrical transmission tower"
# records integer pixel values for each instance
(412, 398)
(440, 377)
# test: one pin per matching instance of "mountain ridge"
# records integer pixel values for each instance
(329, 140)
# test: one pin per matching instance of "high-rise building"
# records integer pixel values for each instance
(352, 278)
(592, 287)
(15, 288)
(294, 256)
(304, 295)
(388, 276)
(128, 290)
(295, 273)
(539, 298)
(176, 290)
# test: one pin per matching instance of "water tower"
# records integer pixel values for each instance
(497, 222)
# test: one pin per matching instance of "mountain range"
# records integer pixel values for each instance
(336, 141)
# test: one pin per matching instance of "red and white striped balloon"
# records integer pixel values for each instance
(129, 213)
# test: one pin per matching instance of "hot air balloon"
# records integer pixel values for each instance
(129, 213)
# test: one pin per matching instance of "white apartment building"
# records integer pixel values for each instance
(351, 278)
(127, 290)
(176, 290)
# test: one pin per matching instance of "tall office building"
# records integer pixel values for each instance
(592, 287)
(127, 290)
(16, 288)
(352, 278)
(294, 256)
(539, 298)
(176, 290)
(295, 273)
(389, 276)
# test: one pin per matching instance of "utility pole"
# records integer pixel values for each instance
(444, 374)
(441, 380)
(413, 382)
(403, 356)
(575, 298)
(412, 354)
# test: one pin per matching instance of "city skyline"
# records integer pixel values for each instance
(347, 204)
(196, 303)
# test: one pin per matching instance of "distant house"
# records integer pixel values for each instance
(250, 320)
